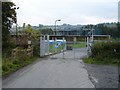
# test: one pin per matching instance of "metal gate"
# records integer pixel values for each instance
(65, 47)
(68, 47)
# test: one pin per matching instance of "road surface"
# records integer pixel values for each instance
(51, 73)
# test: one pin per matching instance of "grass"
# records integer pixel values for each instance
(104, 53)
(52, 48)
(78, 45)
(11, 64)
(101, 62)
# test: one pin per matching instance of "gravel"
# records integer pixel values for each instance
(103, 76)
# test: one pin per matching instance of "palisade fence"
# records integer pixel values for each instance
(72, 44)
(64, 45)
(53, 46)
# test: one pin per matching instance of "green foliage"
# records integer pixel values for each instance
(106, 50)
(47, 31)
(29, 32)
(8, 18)
(36, 50)
(6, 52)
(105, 53)
(113, 31)
(52, 48)
(78, 45)
(29, 29)
(23, 27)
(104, 61)
(11, 64)
(34, 36)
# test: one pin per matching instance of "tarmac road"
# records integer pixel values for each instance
(51, 73)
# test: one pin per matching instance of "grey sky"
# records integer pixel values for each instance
(45, 12)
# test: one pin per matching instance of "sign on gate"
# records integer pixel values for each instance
(70, 47)
(56, 48)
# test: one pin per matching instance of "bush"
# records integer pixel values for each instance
(106, 49)
(6, 50)
(36, 50)
(106, 52)
(5, 67)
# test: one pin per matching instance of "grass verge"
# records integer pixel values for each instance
(101, 62)
(104, 53)
(78, 45)
(10, 65)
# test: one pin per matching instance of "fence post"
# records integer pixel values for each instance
(89, 46)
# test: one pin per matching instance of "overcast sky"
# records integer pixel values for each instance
(45, 12)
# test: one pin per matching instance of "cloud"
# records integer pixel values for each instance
(70, 11)
(87, 19)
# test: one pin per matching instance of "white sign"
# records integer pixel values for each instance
(29, 42)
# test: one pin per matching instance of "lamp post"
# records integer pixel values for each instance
(55, 25)
(16, 8)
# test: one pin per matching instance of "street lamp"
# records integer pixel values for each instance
(16, 8)
(55, 25)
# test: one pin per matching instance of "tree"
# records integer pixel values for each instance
(23, 27)
(8, 18)
(29, 29)
(28, 33)
(118, 29)
(47, 31)
(113, 31)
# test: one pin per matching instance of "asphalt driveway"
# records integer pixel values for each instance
(51, 73)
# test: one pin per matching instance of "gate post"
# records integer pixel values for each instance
(42, 46)
(87, 43)
(75, 39)
(89, 46)
(48, 44)
(64, 43)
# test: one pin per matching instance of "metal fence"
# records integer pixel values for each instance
(62, 47)
(66, 47)
(53, 46)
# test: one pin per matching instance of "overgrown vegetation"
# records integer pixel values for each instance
(9, 42)
(105, 53)
(11, 64)
(33, 35)
(8, 18)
